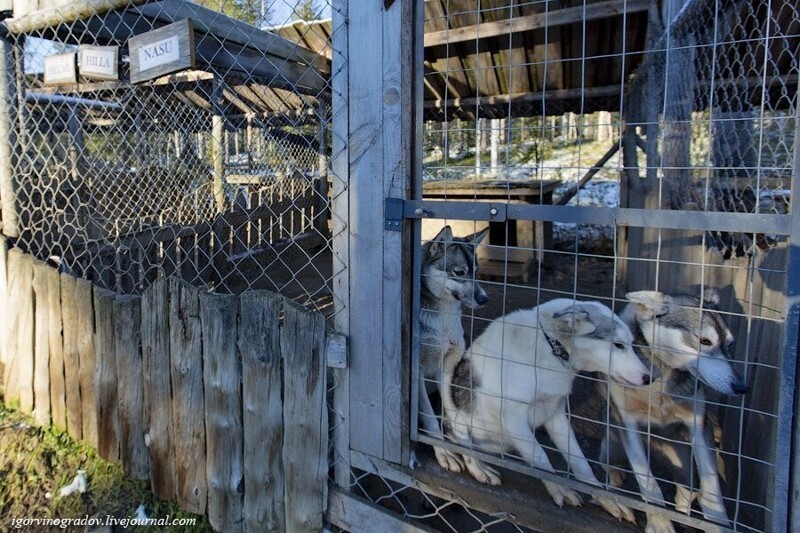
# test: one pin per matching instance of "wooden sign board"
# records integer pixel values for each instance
(163, 51)
(99, 62)
(60, 68)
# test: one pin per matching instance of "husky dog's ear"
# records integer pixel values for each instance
(710, 297)
(574, 321)
(438, 244)
(650, 304)
(476, 238)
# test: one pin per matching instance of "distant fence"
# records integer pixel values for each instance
(270, 217)
(178, 376)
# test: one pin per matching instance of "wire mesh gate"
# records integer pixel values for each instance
(662, 156)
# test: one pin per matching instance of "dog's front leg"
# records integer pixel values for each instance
(560, 431)
(710, 490)
(522, 438)
(648, 486)
(430, 424)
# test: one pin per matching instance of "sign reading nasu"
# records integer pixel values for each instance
(163, 51)
(159, 53)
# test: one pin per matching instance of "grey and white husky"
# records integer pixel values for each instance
(517, 375)
(686, 342)
(448, 283)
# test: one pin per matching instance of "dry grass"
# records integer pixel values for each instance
(36, 462)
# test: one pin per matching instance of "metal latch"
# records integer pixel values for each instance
(397, 209)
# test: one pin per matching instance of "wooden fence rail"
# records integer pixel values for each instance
(218, 400)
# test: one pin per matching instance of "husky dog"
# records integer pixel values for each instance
(517, 376)
(448, 282)
(686, 343)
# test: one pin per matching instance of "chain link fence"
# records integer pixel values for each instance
(218, 174)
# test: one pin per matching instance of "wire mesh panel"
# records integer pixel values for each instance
(218, 172)
(641, 159)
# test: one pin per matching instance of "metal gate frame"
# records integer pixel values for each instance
(377, 143)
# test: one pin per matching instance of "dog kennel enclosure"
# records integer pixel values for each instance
(610, 146)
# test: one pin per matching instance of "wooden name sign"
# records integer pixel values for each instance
(99, 62)
(163, 51)
(60, 68)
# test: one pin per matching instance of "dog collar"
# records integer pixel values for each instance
(559, 350)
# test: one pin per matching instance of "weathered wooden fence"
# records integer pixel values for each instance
(219, 400)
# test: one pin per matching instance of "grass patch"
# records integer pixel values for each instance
(36, 462)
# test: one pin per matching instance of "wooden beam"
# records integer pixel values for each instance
(530, 97)
(235, 31)
(556, 17)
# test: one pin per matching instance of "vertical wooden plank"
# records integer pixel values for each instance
(157, 388)
(223, 396)
(58, 394)
(5, 312)
(106, 376)
(19, 367)
(366, 237)
(305, 442)
(41, 365)
(72, 384)
(130, 391)
(399, 27)
(259, 348)
(340, 208)
(188, 399)
(379, 146)
(87, 361)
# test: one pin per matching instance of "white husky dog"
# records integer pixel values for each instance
(517, 376)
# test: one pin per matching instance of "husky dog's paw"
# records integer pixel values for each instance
(483, 473)
(448, 460)
(658, 524)
(620, 512)
(562, 495)
(714, 510)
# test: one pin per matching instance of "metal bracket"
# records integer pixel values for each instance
(397, 209)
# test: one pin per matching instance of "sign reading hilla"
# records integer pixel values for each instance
(99, 62)
(163, 51)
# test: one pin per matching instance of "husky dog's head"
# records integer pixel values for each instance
(687, 333)
(596, 339)
(448, 268)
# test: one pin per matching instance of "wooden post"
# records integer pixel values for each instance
(305, 443)
(8, 132)
(88, 361)
(379, 347)
(41, 365)
(157, 388)
(321, 214)
(218, 144)
(340, 238)
(223, 395)
(188, 398)
(259, 348)
(72, 387)
(130, 391)
(495, 144)
(106, 376)
(76, 147)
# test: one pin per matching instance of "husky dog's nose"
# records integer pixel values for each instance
(481, 298)
(739, 387)
(647, 379)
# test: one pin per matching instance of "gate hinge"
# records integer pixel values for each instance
(393, 214)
